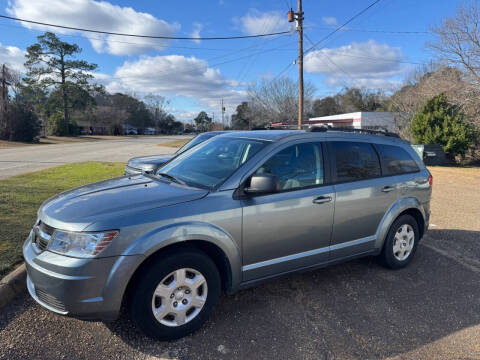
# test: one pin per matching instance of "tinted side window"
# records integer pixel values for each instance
(396, 160)
(355, 161)
(297, 166)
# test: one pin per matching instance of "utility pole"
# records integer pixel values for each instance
(223, 115)
(298, 17)
(3, 123)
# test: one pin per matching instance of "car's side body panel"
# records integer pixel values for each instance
(273, 238)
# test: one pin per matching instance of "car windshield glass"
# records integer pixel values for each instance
(195, 141)
(212, 162)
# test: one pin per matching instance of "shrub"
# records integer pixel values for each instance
(440, 122)
(22, 124)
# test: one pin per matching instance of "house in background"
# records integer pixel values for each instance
(377, 120)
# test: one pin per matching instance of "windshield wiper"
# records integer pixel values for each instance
(172, 178)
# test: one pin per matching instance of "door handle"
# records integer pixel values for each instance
(322, 199)
(388, 188)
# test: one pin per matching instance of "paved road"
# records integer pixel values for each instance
(20, 160)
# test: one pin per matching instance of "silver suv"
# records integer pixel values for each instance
(233, 211)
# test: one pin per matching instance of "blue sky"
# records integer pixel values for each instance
(196, 75)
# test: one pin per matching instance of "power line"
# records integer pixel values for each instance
(390, 31)
(328, 59)
(417, 32)
(330, 34)
(341, 26)
(129, 42)
(146, 36)
(200, 67)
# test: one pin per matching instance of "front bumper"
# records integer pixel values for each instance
(83, 288)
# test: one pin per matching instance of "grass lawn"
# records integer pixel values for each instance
(4, 144)
(21, 196)
(175, 143)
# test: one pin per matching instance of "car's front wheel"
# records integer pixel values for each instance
(401, 242)
(175, 295)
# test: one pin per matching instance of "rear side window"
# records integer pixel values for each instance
(355, 161)
(396, 160)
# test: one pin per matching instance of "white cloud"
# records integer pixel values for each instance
(13, 57)
(197, 27)
(175, 75)
(367, 64)
(256, 22)
(329, 20)
(185, 116)
(102, 15)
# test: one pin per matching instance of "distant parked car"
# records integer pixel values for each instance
(150, 164)
(149, 131)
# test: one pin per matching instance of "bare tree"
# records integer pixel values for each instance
(428, 82)
(458, 39)
(276, 100)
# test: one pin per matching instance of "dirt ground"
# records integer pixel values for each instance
(456, 198)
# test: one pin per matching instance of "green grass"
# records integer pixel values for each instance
(21, 196)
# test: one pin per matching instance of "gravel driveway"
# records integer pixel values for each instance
(18, 160)
(356, 310)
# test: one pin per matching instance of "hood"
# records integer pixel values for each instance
(149, 161)
(77, 208)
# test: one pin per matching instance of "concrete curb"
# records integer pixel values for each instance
(12, 285)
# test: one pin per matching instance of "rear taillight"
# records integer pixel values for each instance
(430, 180)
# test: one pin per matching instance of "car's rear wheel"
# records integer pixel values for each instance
(401, 242)
(175, 295)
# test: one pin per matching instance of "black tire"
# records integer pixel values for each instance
(387, 257)
(140, 304)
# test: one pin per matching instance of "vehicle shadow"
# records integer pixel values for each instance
(353, 310)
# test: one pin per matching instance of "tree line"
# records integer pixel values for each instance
(58, 91)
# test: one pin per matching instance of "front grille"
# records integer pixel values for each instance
(42, 235)
(41, 243)
(50, 300)
(47, 229)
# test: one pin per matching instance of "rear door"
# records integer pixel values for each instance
(362, 197)
(404, 171)
(289, 229)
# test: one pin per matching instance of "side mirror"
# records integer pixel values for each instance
(262, 184)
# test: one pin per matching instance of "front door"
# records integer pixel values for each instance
(291, 228)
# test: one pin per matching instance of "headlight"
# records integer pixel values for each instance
(80, 244)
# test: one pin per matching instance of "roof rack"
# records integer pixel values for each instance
(360, 131)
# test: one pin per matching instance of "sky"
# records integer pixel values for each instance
(372, 52)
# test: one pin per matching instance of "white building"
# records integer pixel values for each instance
(377, 120)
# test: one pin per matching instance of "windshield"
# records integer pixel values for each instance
(212, 162)
(196, 140)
